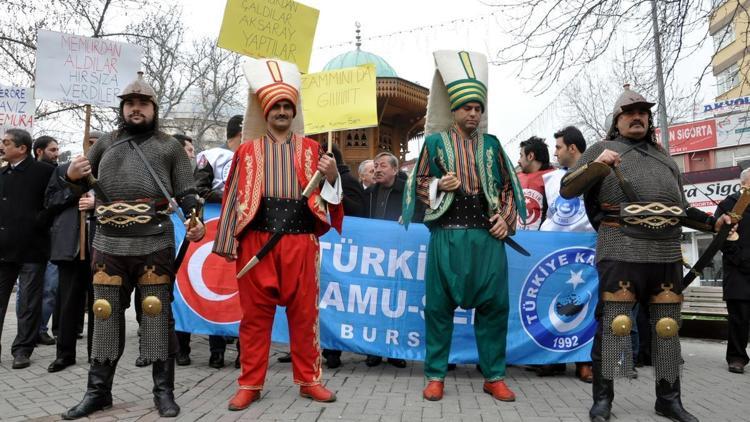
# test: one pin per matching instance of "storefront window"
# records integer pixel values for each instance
(714, 272)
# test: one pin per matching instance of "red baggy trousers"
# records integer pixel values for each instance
(287, 276)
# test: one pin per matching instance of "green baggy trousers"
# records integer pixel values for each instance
(466, 268)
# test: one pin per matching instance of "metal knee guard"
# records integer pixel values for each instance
(155, 291)
(666, 319)
(105, 346)
(617, 349)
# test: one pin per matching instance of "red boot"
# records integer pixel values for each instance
(243, 398)
(317, 392)
(499, 391)
(433, 391)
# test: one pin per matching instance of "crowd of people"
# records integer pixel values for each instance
(81, 238)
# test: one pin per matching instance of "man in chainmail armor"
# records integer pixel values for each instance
(140, 170)
(633, 194)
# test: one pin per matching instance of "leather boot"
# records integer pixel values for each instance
(163, 373)
(603, 394)
(668, 403)
(98, 392)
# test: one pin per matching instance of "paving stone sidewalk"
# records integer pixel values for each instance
(383, 393)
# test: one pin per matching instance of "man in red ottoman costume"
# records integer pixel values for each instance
(263, 196)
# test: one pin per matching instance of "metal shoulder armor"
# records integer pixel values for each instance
(579, 181)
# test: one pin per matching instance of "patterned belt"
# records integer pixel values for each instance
(466, 212)
(141, 217)
(290, 216)
(646, 220)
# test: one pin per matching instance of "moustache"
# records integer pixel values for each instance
(134, 114)
(637, 122)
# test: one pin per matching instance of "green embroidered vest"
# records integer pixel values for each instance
(490, 176)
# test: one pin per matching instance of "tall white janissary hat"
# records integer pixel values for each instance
(460, 77)
(270, 80)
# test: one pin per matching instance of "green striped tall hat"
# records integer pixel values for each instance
(460, 78)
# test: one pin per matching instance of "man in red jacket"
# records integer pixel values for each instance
(263, 195)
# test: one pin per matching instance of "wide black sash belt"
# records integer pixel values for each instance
(279, 215)
(466, 212)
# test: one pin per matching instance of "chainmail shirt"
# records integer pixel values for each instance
(123, 176)
(653, 180)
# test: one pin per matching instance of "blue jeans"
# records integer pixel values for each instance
(49, 297)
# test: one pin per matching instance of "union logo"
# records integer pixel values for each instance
(555, 304)
(566, 212)
(207, 283)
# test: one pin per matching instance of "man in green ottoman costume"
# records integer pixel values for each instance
(473, 199)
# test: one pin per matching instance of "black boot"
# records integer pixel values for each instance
(98, 393)
(603, 394)
(668, 403)
(163, 372)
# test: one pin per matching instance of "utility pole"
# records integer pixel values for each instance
(660, 78)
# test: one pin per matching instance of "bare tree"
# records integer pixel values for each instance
(552, 38)
(588, 101)
(158, 29)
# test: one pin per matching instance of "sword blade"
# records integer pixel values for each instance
(518, 248)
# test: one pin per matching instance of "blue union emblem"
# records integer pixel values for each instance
(558, 299)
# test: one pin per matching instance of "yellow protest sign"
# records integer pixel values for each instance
(281, 29)
(340, 99)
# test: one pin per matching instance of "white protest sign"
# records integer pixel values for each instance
(16, 108)
(82, 70)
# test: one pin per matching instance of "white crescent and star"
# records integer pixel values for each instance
(195, 275)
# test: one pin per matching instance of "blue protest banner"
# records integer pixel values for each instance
(372, 294)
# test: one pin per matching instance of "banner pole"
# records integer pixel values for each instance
(82, 214)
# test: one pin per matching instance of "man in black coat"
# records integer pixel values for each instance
(736, 259)
(75, 273)
(24, 239)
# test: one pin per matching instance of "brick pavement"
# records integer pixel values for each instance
(383, 393)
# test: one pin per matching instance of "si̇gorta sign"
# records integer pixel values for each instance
(372, 294)
(82, 70)
(340, 99)
(16, 108)
(282, 29)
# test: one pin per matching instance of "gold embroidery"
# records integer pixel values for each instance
(493, 195)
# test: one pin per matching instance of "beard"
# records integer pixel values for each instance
(140, 127)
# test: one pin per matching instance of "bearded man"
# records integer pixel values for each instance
(633, 194)
(140, 170)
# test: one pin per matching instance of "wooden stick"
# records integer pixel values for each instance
(82, 214)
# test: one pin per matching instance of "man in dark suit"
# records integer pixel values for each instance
(24, 239)
(736, 283)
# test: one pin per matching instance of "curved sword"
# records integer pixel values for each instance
(736, 215)
(311, 185)
(507, 239)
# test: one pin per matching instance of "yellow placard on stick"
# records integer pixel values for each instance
(340, 99)
(281, 29)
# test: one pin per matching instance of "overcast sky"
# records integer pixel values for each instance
(511, 108)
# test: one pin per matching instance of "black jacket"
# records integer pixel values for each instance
(62, 202)
(393, 202)
(354, 193)
(24, 222)
(736, 255)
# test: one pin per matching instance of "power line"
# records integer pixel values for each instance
(416, 29)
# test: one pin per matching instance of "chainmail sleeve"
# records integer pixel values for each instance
(183, 183)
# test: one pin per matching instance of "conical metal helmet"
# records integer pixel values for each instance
(629, 100)
(139, 88)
